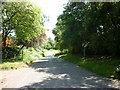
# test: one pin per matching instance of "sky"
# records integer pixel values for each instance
(52, 9)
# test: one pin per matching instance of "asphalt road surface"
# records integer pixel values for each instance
(53, 72)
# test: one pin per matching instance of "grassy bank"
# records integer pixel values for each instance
(27, 58)
(23, 60)
(104, 66)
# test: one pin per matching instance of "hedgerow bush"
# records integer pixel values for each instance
(10, 52)
(31, 54)
(117, 72)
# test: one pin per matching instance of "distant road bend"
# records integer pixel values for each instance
(53, 72)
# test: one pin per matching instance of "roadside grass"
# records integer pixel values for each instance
(28, 57)
(104, 66)
(14, 65)
(54, 52)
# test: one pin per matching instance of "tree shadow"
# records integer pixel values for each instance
(64, 75)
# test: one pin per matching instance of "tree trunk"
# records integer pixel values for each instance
(4, 40)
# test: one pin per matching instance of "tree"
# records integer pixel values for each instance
(102, 25)
(39, 40)
(94, 23)
(21, 18)
(70, 27)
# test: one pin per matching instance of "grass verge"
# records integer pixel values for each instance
(23, 60)
(104, 66)
(14, 65)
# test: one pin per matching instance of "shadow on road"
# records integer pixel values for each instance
(62, 74)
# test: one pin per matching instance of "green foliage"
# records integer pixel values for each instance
(104, 66)
(48, 44)
(10, 52)
(94, 23)
(31, 54)
(22, 18)
(117, 72)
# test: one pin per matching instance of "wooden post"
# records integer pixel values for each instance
(22, 54)
(85, 45)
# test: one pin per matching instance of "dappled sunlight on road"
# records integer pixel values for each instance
(61, 74)
(53, 72)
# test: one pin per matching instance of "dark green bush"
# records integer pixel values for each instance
(117, 72)
(10, 52)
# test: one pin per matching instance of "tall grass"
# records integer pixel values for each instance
(29, 55)
(104, 66)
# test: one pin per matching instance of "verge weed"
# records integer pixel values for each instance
(29, 56)
(104, 66)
